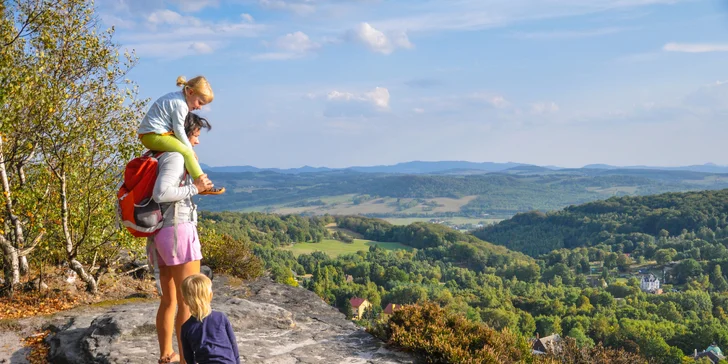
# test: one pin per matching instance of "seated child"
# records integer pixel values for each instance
(163, 127)
(207, 337)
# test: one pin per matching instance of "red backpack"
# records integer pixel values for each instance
(136, 209)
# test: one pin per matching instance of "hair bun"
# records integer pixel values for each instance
(181, 81)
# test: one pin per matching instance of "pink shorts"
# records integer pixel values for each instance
(188, 245)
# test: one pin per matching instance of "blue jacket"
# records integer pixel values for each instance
(210, 341)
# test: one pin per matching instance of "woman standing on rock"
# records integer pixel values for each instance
(176, 247)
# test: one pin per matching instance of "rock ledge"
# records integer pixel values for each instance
(273, 323)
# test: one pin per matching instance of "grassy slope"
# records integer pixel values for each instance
(335, 248)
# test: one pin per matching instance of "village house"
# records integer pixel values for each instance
(358, 306)
(650, 284)
(546, 344)
(388, 311)
(713, 353)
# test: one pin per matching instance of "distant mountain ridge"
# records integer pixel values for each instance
(460, 167)
(707, 167)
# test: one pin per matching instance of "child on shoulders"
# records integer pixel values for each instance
(163, 127)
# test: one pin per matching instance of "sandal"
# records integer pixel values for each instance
(214, 191)
(168, 359)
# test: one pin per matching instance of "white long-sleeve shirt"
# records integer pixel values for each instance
(167, 114)
(173, 185)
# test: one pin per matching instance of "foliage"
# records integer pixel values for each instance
(665, 227)
(489, 285)
(445, 338)
(268, 229)
(225, 254)
(442, 337)
(69, 122)
(573, 353)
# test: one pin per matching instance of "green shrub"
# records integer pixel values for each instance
(224, 254)
(446, 338)
(442, 337)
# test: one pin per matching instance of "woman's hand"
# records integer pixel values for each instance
(203, 183)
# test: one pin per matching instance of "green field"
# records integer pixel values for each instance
(452, 220)
(334, 248)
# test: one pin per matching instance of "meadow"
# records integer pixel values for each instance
(334, 248)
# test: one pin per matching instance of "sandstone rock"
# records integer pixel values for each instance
(33, 285)
(273, 323)
(206, 271)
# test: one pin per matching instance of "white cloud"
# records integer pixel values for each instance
(247, 17)
(418, 110)
(117, 21)
(297, 42)
(544, 107)
(377, 41)
(432, 15)
(348, 104)
(695, 47)
(300, 8)
(167, 31)
(711, 98)
(291, 46)
(496, 101)
(201, 47)
(570, 34)
(193, 5)
(170, 17)
(173, 50)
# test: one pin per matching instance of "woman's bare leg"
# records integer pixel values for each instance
(179, 273)
(165, 313)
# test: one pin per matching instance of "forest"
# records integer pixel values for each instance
(590, 293)
(498, 194)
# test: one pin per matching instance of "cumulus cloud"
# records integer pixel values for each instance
(348, 104)
(174, 50)
(496, 101)
(289, 46)
(117, 22)
(377, 41)
(193, 5)
(247, 18)
(695, 47)
(297, 42)
(170, 35)
(570, 34)
(297, 7)
(544, 107)
(201, 47)
(166, 16)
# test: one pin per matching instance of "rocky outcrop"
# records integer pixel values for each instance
(273, 323)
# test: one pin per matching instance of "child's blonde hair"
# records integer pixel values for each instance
(197, 293)
(199, 85)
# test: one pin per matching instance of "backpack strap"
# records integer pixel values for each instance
(182, 183)
(152, 252)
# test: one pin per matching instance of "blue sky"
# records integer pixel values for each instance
(338, 83)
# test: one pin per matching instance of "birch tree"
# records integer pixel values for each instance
(75, 113)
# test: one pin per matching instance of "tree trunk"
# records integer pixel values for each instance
(24, 268)
(10, 251)
(12, 266)
(77, 267)
(21, 165)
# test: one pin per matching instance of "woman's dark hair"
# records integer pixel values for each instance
(194, 122)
